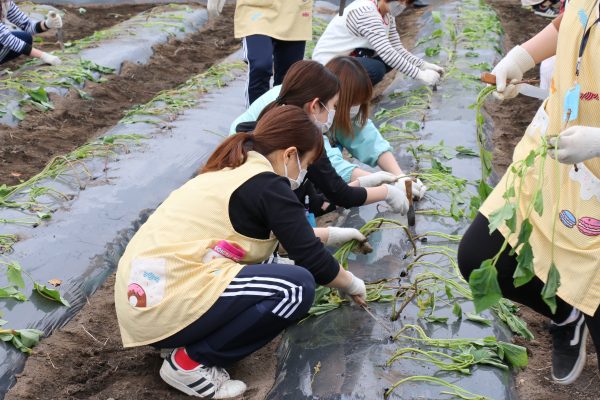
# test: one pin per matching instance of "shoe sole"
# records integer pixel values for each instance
(165, 371)
(545, 15)
(578, 368)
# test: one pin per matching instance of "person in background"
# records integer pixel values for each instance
(543, 8)
(274, 35)
(17, 43)
(566, 233)
(367, 31)
(347, 185)
(217, 312)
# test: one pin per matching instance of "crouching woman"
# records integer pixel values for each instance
(192, 277)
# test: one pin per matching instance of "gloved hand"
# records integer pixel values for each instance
(576, 144)
(339, 236)
(376, 179)
(214, 8)
(432, 67)
(53, 20)
(418, 188)
(356, 288)
(50, 59)
(428, 77)
(511, 67)
(396, 198)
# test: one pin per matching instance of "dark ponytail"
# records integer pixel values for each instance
(305, 81)
(280, 128)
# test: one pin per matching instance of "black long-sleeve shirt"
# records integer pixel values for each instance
(264, 204)
(325, 178)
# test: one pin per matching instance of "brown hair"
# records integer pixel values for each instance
(305, 81)
(356, 88)
(280, 128)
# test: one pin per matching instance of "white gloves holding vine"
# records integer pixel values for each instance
(511, 68)
(576, 144)
(339, 236)
(376, 179)
(53, 20)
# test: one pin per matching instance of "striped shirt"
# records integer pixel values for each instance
(9, 42)
(367, 22)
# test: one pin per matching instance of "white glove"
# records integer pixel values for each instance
(418, 188)
(511, 67)
(214, 8)
(376, 179)
(432, 67)
(339, 236)
(53, 20)
(50, 59)
(576, 144)
(396, 198)
(356, 288)
(428, 77)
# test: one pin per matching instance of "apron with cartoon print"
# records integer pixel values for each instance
(571, 198)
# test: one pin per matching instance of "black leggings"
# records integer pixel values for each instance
(478, 245)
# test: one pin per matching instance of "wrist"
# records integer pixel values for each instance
(522, 59)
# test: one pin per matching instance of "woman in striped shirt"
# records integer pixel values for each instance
(367, 30)
(16, 43)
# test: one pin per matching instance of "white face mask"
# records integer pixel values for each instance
(396, 8)
(325, 126)
(354, 110)
(295, 183)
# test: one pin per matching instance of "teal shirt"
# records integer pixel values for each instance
(366, 146)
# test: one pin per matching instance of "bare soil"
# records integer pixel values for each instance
(511, 118)
(26, 149)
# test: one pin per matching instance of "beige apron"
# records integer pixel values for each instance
(280, 19)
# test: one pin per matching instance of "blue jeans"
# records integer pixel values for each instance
(24, 36)
(375, 67)
(267, 57)
(258, 304)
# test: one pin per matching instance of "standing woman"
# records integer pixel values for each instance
(274, 34)
(566, 234)
(215, 312)
(367, 31)
(16, 43)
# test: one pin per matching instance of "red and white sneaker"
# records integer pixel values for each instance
(201, 381)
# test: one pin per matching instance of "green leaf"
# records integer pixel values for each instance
(538, 202)
(437, 18)
(471, 54)
(484, 286)
(412, 126)
(43, 215)
(524, 271)
(18, 114)
(479, 319)
(525, 232)
(484, 190)
(514, 355)
(530, 159)
(50, 294)
(437, 320)
(39, 95)
(438, 166)
(550, 288)
(498, 217)
(457, 310)
(465, 151)
(510, 193)
(433, 51)
(14, 274)
(11, 292)
(29, 337)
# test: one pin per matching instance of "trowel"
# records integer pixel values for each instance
(525, 86)
(59, 32)
(411, 206)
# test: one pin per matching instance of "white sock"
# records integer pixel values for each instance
(571, 318)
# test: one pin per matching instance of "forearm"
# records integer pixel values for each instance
(375, 194)
(341, 281)
(322, 234)
(357, 172)
(542, 45)
(387, 162)
(36, 53)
